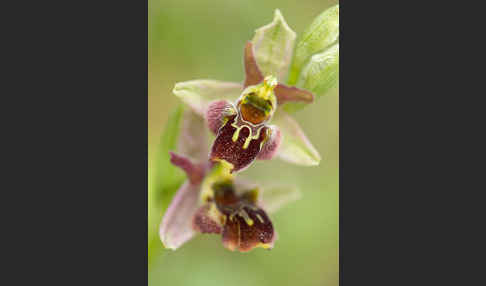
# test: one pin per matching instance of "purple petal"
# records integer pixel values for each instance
(252, 72)
(195, 173)
(286, 93)
(269, 149)
(176, 227)
(217, 112)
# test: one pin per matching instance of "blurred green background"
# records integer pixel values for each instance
(190, 39)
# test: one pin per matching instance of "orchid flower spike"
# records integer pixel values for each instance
(212, 200)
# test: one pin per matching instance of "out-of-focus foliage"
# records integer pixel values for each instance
(321, 34)
(315, 66)
(191, 39)
(165, 180)
(322, 71)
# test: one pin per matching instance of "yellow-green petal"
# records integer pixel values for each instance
(274, 198)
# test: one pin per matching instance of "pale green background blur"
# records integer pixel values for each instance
(191, 39)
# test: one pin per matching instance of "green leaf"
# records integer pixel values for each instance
(184, 133)
(322, 71)
(322, 33)
(318, 76)
(275, 198)
(168, 177)
(199, 93)
(274, 44)
(295, 146)
(165, 180)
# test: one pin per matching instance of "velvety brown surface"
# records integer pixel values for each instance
(247, 226)
(239, 235)
(233, 152)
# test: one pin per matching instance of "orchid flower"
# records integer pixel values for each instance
(247, 118)
(212, 200)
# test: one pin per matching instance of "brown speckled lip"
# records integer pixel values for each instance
(225, 149)
(239, 235)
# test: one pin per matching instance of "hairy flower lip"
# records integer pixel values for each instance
(238, 144)
(247, 228)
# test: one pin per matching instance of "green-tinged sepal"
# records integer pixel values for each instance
(295, 146)
(321, 34)
(198, 94)
(274, 45)
(275, 198)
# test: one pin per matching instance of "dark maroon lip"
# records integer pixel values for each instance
(225, 149)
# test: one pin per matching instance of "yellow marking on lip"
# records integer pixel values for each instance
(250, 137)
(265, 246)
(259, 218)
(236, 134)
(247, 218)
(247, 142)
